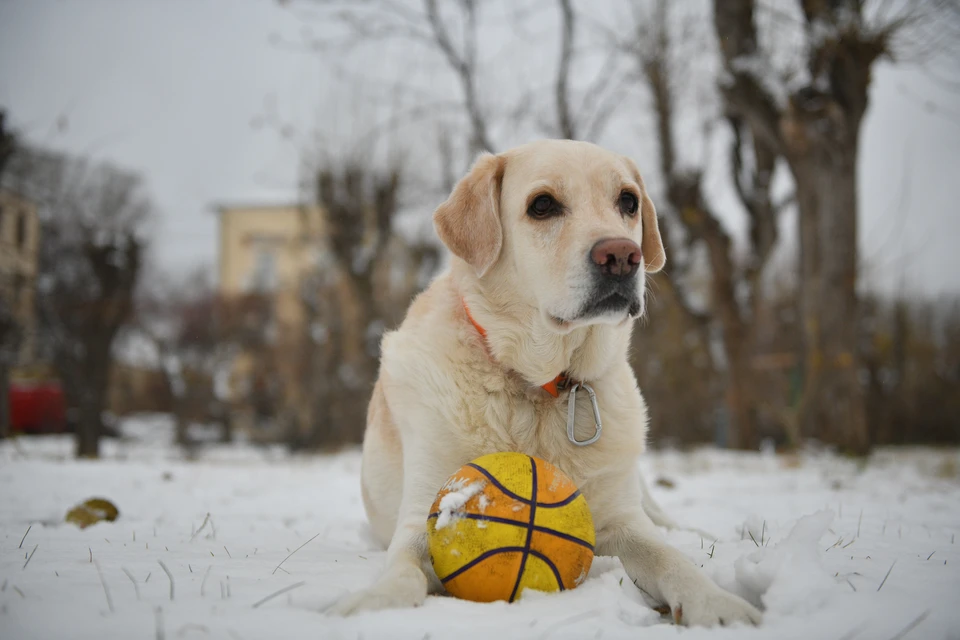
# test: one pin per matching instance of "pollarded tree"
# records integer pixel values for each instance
(809, 111)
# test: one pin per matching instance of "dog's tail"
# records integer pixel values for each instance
(660, 518)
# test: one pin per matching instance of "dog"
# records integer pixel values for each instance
(550, 243)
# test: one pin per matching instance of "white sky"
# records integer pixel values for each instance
(169, 87)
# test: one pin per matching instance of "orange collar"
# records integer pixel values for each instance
(554, 387)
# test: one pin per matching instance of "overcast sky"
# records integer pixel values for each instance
(170, 87)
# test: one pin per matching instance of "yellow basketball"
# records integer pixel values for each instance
(508, 522)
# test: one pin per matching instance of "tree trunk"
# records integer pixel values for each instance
(833, 401)
(741, 404)
(92, 397)
(5, 428)
(88, 429)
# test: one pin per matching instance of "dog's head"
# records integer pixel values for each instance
(566, 226)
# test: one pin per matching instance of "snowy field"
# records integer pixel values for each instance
(830, 549)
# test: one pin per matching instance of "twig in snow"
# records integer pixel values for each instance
(910, 627)
(931, 554)
(293, 552)
(30, 557)
(859, 522)
(90, 549)
(763, 530)
(149, 573)
(752, 538)
(886, 576)
(169, 576)
(136, 587)
(106, 591)
(24, 536)
(273, 595)
(228, 552)
(19, 593)
(197, 532)
(203, 583)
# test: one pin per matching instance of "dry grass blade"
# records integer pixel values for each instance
(203, 583)
(884, 581)
(136, 587)
(273, 595)
(293, 552)
(106, 591)
(169, 576)
(158, 614)
(206, 520)
(24, 536)
(30, 557)
(913, 625)
(752, 538)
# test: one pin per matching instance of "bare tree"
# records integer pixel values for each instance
(180, 317)
(813, 122)
(93, 220)
(362, 279)
(735, 288)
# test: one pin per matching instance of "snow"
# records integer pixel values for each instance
(452, 504)
(829, 547)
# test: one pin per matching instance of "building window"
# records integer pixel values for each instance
(22, 230)
(263, 277)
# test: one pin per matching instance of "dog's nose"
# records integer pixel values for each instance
(616, 256)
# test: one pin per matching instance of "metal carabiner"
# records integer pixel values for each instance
(572, 410)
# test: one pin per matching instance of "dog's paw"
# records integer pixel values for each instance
(709, 606)
(392, 591)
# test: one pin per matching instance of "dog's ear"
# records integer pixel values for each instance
(651, 245)
(469, 221)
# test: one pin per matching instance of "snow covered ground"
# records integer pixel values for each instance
(831, 549)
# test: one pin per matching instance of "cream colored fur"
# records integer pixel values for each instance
(446, 395)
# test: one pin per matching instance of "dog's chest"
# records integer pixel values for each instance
(512, 417)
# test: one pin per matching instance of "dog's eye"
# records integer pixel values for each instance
(628, 204)
(543, 206)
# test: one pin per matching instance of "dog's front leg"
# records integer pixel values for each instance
(404, 580)
(663, 572)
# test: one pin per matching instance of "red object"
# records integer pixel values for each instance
(37, 408)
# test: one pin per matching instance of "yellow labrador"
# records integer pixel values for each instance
(550, 243)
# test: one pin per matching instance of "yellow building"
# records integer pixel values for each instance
(266, 252)
(19, 256)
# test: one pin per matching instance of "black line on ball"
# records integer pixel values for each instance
(549, 563)
(483, 556)
(562, 503)
(533, 514)
(539, 528)
(548, 505)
